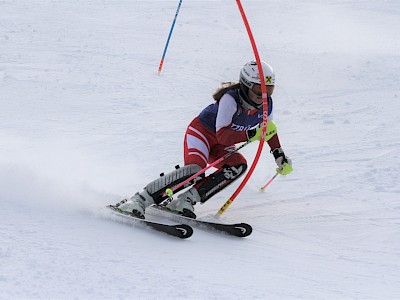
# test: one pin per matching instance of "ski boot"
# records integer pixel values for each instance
(136, 205)
(154, 192)
(183, 205)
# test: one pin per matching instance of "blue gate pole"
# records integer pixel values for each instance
(169, 37)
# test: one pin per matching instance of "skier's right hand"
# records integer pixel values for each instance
(254, 134)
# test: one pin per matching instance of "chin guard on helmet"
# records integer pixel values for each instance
(245, 100)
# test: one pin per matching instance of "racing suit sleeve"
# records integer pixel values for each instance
(227, 107)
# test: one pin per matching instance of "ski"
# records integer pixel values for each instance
(182, 231)
(238, 229)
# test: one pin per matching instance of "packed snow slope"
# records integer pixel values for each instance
(86, 120)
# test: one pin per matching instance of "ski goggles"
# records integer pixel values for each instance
(256, 90)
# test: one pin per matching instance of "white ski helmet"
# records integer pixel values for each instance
(249, 76)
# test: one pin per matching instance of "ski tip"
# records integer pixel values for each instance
(185, 231)
(243, 229)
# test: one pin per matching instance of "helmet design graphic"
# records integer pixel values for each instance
(248, 77)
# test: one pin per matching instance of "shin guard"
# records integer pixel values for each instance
(157, 187)
(219, 180)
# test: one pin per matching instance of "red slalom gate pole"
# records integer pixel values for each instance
(265, 114)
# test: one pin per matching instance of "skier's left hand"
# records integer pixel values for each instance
(283, 162)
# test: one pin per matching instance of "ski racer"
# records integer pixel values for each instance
(234, 117)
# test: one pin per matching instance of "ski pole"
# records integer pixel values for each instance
(269, 181)
(170, 191)
(169, 37)
(265, 114)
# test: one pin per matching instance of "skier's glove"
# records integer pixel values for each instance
(255, 133)
(283, 162)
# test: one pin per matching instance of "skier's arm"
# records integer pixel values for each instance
(227, 107)
(274, 142)
(228, 136)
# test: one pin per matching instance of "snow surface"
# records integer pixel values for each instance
(85, 120)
